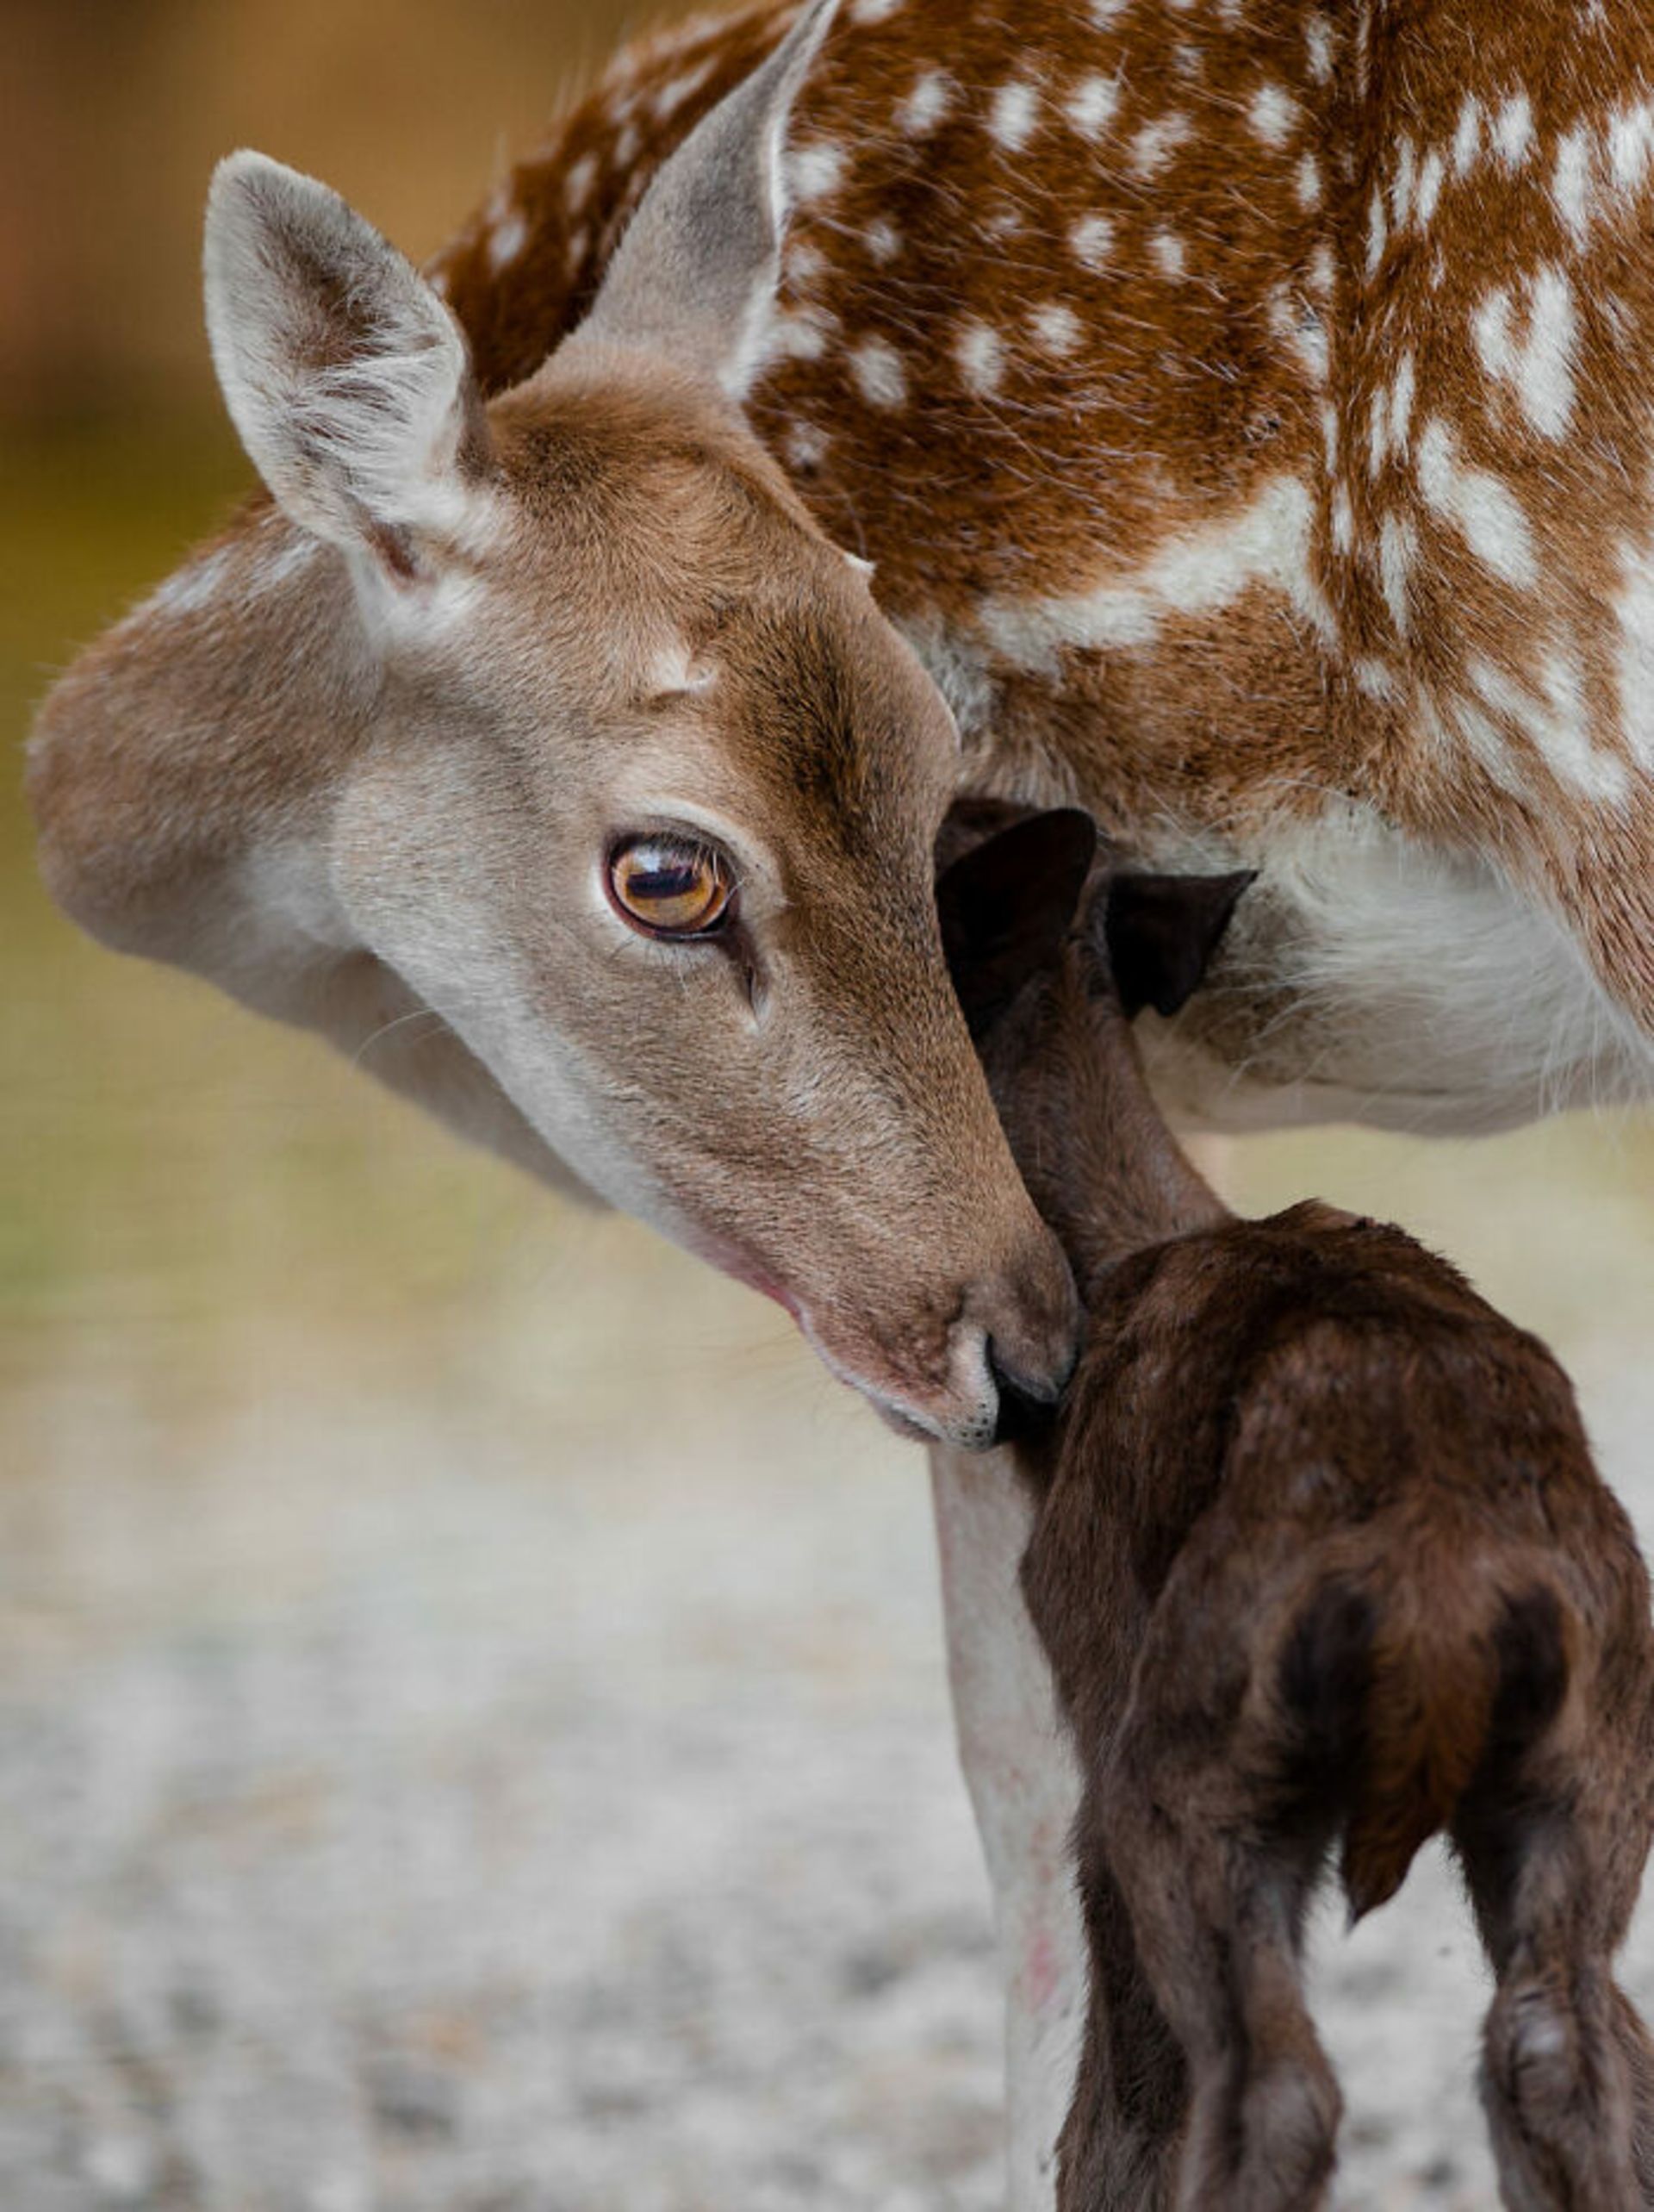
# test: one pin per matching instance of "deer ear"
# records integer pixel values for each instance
(349, 381)
(693, 277)
(1162, 932)
(1007, 906)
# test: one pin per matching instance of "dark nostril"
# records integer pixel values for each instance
(1027, 1402)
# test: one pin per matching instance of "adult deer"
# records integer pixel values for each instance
(1154, 356)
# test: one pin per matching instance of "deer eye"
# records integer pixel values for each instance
(671, 886)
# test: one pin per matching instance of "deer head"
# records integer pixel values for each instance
(559, 717)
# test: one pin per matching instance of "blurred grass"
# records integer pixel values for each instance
(184, 1184)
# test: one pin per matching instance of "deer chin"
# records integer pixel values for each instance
(963, 1412)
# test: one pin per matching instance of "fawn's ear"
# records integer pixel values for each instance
(1162, 931)
(349, 381)
(692, 279)
(1007, 906)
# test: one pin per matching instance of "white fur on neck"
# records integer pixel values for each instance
(1428, 993)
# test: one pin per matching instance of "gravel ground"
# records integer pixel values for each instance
(406, 1813)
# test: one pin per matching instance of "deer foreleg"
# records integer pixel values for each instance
(1025, 1789)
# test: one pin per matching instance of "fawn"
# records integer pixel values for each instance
(1319, 1553)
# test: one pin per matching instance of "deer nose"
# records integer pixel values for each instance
(1029, 1341)
(1028, 1402)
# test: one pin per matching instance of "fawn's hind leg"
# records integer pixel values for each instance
(1567, 2073)
(1218, 1916)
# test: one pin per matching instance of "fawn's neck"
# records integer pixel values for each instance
(1095, 1149)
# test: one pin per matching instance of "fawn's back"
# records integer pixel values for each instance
(1350, 1491)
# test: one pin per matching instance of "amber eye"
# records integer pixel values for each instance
(672, 886)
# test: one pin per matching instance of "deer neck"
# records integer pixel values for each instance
(205, 731)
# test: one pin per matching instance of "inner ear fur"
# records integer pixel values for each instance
(1006, 904)
(1163, 931)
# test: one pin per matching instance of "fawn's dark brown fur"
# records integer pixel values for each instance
(1320, 1557)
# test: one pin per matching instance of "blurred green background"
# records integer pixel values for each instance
(290, 1382)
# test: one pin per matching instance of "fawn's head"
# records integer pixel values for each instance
(633, 784)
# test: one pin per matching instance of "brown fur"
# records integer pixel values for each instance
(1319, 1549)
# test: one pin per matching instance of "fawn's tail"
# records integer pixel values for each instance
(1403, 1684)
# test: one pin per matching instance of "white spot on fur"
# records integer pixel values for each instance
(1512, 130)
(814, 172)
(1482, 508)
(1089, 107)
(1398, 546)
(1377, 235)
(1343, 522)
(926, 104)
(1299, 324)
(1169, 252)
(1014, 114)
(1308, 182)
(802, 335)
(1377, 432)
(1633, 608)
(883, 241)
(1057, 329)
(1092, 240)
(877, 367)
(804, 263)
(873, 11)
(671, 97)
(1274, 113)
(804, 445)
(1555, 720)
(577, 182)
(1155, 145)
(1467, 138)
(1631, 146)
(1571, 187)
(1403, 182)
(981, 358)
(1318, 38)
(1538, 363)
(1402, 393)
(1481, 734)
(1433, 170)
(505, 243)
(1390, 422)
(1265, 543)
